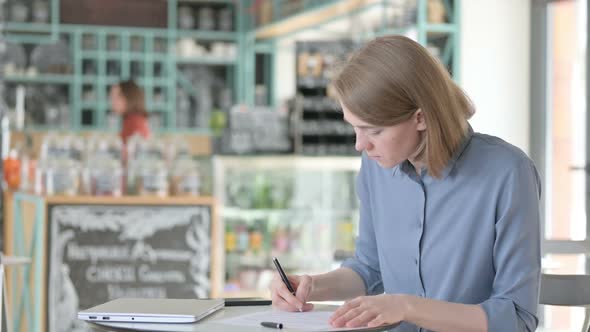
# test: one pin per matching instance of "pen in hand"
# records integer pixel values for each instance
(284, 277)
(272, 325)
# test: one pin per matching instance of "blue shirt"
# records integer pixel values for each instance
(472, 236)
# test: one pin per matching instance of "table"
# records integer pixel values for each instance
(210, 324)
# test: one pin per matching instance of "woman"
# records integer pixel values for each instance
(127, 100)
(449, 220)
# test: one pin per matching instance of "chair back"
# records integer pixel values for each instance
(567, 290)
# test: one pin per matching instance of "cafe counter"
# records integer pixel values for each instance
(86, 250)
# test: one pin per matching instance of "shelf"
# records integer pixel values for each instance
(94, 79)
(312, 83)
(89, 105)
(27, 27)
(39, 78)
(207, 60)
(112, 79)
(43, 128)
(395, 31)
(157, 82)
(251, 214)
(89, 54)
(322, 12)
(158, 108)
(208, 35)
(441, 28)
(186, 131)
(231, 212)
(122, 55)
(90, 79)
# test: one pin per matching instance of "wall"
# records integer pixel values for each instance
(495, 60)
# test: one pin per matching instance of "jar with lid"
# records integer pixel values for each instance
(152, 179)
(106, 179)
(206, 19)
(185, 178)
(61, 177)
(225, 19)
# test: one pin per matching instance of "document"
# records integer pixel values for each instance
(316, 320)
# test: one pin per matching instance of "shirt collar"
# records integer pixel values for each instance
(406, 167)
(457, 154)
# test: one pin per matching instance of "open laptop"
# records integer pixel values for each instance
(152, 310)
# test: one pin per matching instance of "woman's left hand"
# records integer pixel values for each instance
(370, 311)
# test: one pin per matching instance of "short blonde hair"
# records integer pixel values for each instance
(391, 77)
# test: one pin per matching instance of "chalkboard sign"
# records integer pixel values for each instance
(102, 252)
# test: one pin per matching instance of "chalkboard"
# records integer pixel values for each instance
(101, 252)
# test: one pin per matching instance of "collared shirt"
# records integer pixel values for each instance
(472, 236)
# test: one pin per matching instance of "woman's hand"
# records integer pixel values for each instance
(284, 300)
(370, 311)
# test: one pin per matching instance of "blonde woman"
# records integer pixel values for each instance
(449, 222)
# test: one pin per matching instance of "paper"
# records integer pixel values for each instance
(292, 321)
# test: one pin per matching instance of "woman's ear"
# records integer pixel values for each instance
(420, 120)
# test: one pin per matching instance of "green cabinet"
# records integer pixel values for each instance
(157, 58)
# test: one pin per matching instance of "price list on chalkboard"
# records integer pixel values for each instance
(99, 253)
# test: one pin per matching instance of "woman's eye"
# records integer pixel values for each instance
(376, 132)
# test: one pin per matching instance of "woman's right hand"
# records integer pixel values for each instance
(284, 300)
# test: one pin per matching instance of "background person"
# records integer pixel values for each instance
(128, 100)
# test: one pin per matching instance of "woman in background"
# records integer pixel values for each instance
(127, 100)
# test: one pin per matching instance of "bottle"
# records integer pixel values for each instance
(185, 178)
(11, 166)
(206, 19)
(224, 19)
(242, 237)
(230, 239)
(27, 173)
(255, 239)
(281, 240)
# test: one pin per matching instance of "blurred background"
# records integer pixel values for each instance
(238, 152)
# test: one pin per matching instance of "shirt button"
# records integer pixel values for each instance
(416, 261)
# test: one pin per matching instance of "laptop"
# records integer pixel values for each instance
(152, 310)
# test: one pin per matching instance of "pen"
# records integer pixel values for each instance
(283, 275)
(272, 325)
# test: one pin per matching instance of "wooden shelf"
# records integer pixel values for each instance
(310, 18)
(207, 60)
(131, 200)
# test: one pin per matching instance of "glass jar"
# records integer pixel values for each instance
(206, 19)
(62, 178)
(185, 179)
(107, 179)
(225, 19)
(152, 179)
(186, 19)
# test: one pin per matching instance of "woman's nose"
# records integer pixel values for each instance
(361, 143)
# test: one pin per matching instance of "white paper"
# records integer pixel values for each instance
(307, 321)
